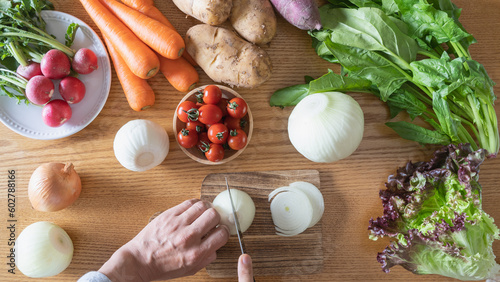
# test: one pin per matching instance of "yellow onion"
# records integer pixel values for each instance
(54, 186)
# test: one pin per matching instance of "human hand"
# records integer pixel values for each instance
(179, 242)
(245, 270)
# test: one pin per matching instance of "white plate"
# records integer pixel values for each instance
(27, 119)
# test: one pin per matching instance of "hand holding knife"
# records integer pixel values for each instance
(244, 271)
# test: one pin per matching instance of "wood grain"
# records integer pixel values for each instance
(271, 254)
(115, 203)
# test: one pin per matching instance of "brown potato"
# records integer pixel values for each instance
(212, 12)
(254, 20)
(227, 58)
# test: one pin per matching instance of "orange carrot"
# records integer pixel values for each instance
(147, 8)
(141, 60)
(164, 40)
(139, 94)
(180, 73)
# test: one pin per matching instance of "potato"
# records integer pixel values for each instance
(225, 57)
(254, 20)
(212, 12)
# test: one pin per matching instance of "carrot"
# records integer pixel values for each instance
(180, 73)
(141, 60)
(164, 40)
(148, 8)
(139, 94)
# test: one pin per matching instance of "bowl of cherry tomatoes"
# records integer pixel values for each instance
(213, 124)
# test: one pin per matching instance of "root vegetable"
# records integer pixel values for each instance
(56, 112)
(212, 12)
(39, 90)
(30, 70)
(227, 58)
(243, 206)
(53, 187)
(84, 61)
(72, 89)
(55, 64)
(254, 20)
(303, 14)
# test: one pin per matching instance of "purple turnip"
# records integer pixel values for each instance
(55, 64)
(72, 89)
(39, 90)
(29, 71)
(84, 61)
(56, 112)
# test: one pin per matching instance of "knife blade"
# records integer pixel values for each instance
(235, 218)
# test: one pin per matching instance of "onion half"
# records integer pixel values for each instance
(295, 208)
(243, 205)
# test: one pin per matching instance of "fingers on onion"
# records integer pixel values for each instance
(243, 205)
(295, 208)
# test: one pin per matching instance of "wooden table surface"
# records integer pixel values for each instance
(116, 203)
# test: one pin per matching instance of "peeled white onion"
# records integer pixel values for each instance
(43, 249)
(326, 127)
(141, 144)
(243, 205)
(296, 207)
(314, 196)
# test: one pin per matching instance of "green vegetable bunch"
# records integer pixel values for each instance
(434, 218)
(414, 55)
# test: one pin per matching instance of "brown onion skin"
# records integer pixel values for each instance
(54, 186)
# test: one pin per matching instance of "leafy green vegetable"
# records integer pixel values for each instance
(377, 42)
(13, 85)
(22, 32)
(434, 218)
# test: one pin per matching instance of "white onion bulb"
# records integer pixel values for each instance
(141, 144)
(326, 127)
(43, 249)
(243, 205)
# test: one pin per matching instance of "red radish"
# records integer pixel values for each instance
(55, 64)
(84, 61)
(29, 71)
(56, 112)
(39, 90)
(72, 89)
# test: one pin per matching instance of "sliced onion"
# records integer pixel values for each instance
(314, 196)
(243, 205)
(291, 211)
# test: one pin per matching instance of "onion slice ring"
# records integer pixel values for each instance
(291, 210)
(315, 196)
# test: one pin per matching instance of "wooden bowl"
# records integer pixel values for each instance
(229, 154)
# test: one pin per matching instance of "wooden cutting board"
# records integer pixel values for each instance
(271, 254)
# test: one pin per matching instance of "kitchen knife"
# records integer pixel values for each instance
(236, 222)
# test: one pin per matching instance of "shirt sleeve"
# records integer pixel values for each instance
(94, 276)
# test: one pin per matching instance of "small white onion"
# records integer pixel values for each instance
(141, 144)
(314, 196)
(291, 210)
(243, 205)
(43, 249)
(326, 127)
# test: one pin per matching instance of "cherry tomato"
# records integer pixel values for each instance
(237, 139)
(195, 125)
(187, 110)
(234, 123)
(215, 153)
(237, 107)
(187, 138)
(218, 133)
(223, 106)
(212, 94)
(209, 114)
(203, 142)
